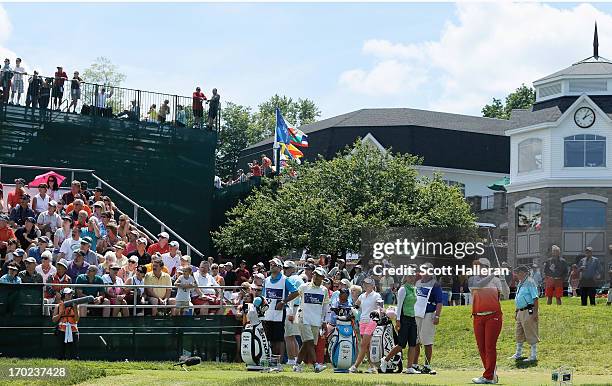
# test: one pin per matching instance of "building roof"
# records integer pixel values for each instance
(390, 117)
(595, 66)
(551, 110)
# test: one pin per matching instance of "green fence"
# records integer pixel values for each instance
(27, 333)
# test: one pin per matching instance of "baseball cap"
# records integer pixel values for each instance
(174, 244)
(345, 282)
(63, 263)
(259, 275)
(86, 240)
(31, 220)
(589, 249)
(164, 235)
(119, 245)
(115, 266)
(484, 261)
(30, 260)
(18, 252)
(277, 261)
(134, 232)
(344, 291)
(320, 271)
(186, 258)
(142, 240)
(289, 264)
(44, 239)
(99, 204)
(53, 203)
(92, 268)
(368, 280)
(133, 259)
(13, 267)
(67, 290)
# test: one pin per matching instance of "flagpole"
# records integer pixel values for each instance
(276, 146)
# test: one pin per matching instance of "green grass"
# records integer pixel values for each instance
(571, 335)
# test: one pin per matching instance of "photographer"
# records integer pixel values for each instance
(526, 314)
(67, 331)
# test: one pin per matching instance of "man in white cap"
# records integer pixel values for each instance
(172, 258)
(292, 329)
(313, 309)
(276, 289)
(487, 319)
(161, 246)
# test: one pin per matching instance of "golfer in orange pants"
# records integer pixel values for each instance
(487, 315)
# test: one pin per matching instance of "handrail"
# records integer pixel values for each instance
(135, 205)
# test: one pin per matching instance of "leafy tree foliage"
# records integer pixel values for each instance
(522, 98)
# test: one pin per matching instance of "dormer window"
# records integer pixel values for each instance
(585, 150)
(530, 155)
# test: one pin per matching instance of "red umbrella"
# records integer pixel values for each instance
(42, 179)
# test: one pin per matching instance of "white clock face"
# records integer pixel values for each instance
(584, 117)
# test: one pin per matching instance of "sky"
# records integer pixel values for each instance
(436, 56)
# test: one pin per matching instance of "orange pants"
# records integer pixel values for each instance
(486, 330)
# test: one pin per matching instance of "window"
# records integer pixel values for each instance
(529, 217)
(458, 184)
(584, 214)
(585, 150)
(529, 155)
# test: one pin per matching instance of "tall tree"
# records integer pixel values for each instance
(522, 98)
(235, 135)
(103, 71)
(330, 202)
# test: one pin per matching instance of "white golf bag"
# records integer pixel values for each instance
(254, 347)
(342, 342)
(384, 338)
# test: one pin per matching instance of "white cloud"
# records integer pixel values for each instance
(489, 51)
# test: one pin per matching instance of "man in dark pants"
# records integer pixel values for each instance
(590, 273)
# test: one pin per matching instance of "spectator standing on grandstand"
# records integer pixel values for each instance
(116, 295)
(58, 87)
(242, 273)
(256, 171)
(21, 212)
(136, 279)
(555, 272)
(164, 110)
(172, 258)
(45, 269)
(266, 165)
(526, 314)
(67, 318)
(40, 202)
(158, 296)
(406, 299)
(6, 76)
(213, 109)
(276, 288)
(427, 313)
(52, 294)
(78, 265)
(27, 234)
(310, 317)
(367, 302)
(34, 85)
(488, 318)
(181, 117)
(70, 244)
(161, 246)
(101, 98)
(44, 96)
(91, 277)
(208, 296)
(292, 328)
(74, 193)
(17, 81)
(17, 261)
(29, 275)
(37, 250)
(75, 91)
(197, 107)
(590, 274)
(49, 221)
(152, 114)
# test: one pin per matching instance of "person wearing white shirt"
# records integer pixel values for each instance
(70, 244)
(101, 98)
(18, 73)
(210, 296)
(40, 202)
(49, 221)
(172, 258)
(62, 233)
(45, 269)
(367, 302)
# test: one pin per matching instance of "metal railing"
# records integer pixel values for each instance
(135, 207)
(98, 100)
(136, 305)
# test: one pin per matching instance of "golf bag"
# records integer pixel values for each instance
(342, 342)
(384, 339)
(254, 347)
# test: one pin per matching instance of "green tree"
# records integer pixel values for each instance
(329, 202)
(522, 98)
(300, 112)
(103, 71)
(235, 135)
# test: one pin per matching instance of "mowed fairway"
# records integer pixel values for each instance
(571, 335)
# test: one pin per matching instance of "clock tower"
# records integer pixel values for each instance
(561, 166)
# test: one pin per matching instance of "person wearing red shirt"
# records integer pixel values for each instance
(198, 107)
(58, 87)
(161, 246)
(242, 273)
(266, 165)
(14, 197)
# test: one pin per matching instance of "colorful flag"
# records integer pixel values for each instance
(291, 151)
(297, 137)
(282, 129)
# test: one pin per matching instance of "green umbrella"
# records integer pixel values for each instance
(500, 185)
